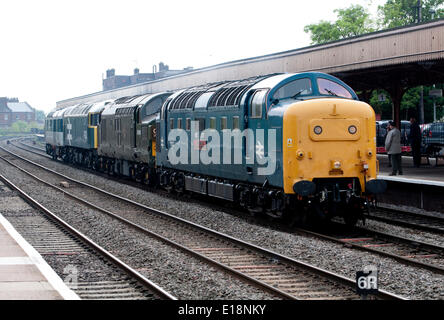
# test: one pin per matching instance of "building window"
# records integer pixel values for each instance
(6, 117)
(16, 116)
(179, 123)
(171, 124)
(188, 124)
(29, 116)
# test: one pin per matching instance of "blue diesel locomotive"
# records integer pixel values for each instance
(298, 145)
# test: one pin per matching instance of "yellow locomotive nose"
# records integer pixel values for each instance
(337, 134)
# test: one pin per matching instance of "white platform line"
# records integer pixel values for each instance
(40, 263)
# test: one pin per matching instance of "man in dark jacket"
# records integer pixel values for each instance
(415, 141)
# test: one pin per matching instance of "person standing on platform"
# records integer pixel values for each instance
(385, 137)
(415, 141)
(393, 147)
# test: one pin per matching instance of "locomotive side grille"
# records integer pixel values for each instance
(233, 97)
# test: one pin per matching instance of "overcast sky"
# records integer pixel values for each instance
(54, 50)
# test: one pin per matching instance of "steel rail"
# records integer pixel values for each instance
(394, 221)
(130, 271)
(291, 261)
(392, 238)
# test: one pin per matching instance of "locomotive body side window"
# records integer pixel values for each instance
(212, 123)
(256, 104)
(235, 122)
(223, 123)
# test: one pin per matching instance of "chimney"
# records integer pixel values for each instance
(110, 73)
(136, 71)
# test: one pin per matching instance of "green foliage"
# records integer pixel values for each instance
(352, 21)
(409, 104)
(355, 20)
(20, 127)
(384, 108)
(39, 115)
(397, 13)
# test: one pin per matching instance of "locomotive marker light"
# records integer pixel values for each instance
(317, 130)
(352, 129)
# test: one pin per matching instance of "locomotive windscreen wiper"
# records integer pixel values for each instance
(293, 96)
(330, 92)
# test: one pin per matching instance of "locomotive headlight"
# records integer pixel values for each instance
(352, 129)
(317, 129)
(337, 165)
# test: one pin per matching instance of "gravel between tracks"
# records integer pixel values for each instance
(184, 277)
(410, 282)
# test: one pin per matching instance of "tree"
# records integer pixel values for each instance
(352, 21)
(19, 126)
(40, 116)
(397, 13)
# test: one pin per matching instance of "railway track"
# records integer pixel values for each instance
(390, 216)
(282, 276)
(408, 251)
(62, 244)
(408, 219)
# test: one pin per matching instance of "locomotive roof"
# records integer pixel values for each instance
(99, 106)
(225, 93)
(128, 102)
(60, 113)
(78, 110)
(230, 93)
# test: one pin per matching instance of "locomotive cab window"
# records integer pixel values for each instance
(293, 89)
(332, 88)
(256, 103)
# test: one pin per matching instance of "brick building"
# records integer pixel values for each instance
(11, 110)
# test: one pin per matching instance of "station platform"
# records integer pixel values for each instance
(428, 173)
(24, 274)
(417, 188)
